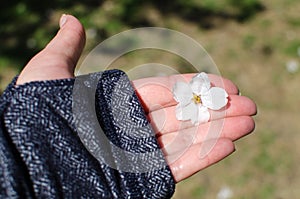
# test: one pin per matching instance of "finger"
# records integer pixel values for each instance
(164, 120)
(232, 128)
(198, 157)
(157, 92)
(59, 58)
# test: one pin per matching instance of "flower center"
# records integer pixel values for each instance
(197, 99)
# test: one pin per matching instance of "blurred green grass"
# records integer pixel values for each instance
(251, 42)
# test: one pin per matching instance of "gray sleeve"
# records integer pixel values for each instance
(86, 137)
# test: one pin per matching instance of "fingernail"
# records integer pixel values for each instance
(63, 20)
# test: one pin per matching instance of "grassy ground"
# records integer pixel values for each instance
(254, 54)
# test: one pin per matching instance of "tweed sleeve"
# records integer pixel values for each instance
(86, 137)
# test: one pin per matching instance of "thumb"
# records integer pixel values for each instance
(59, 58)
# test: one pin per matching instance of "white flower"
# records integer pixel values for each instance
(225, 193)
(195, 98)
(292, 66)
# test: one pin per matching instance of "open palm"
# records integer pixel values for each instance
(188, 148)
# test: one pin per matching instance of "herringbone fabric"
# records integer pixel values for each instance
(41, 141)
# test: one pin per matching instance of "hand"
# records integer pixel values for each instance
(187, 148)
(59, 58)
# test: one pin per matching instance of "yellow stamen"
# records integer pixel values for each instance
(197, 99)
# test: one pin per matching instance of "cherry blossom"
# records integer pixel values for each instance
(197, 97)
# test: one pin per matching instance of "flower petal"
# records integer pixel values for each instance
(189, 112)
(182, 93)
(200, 84)
(215, 99)
(203, 115)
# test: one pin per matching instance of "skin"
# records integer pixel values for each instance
(183, 153)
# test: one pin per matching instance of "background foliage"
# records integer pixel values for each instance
(254, 43)
(28, 25)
